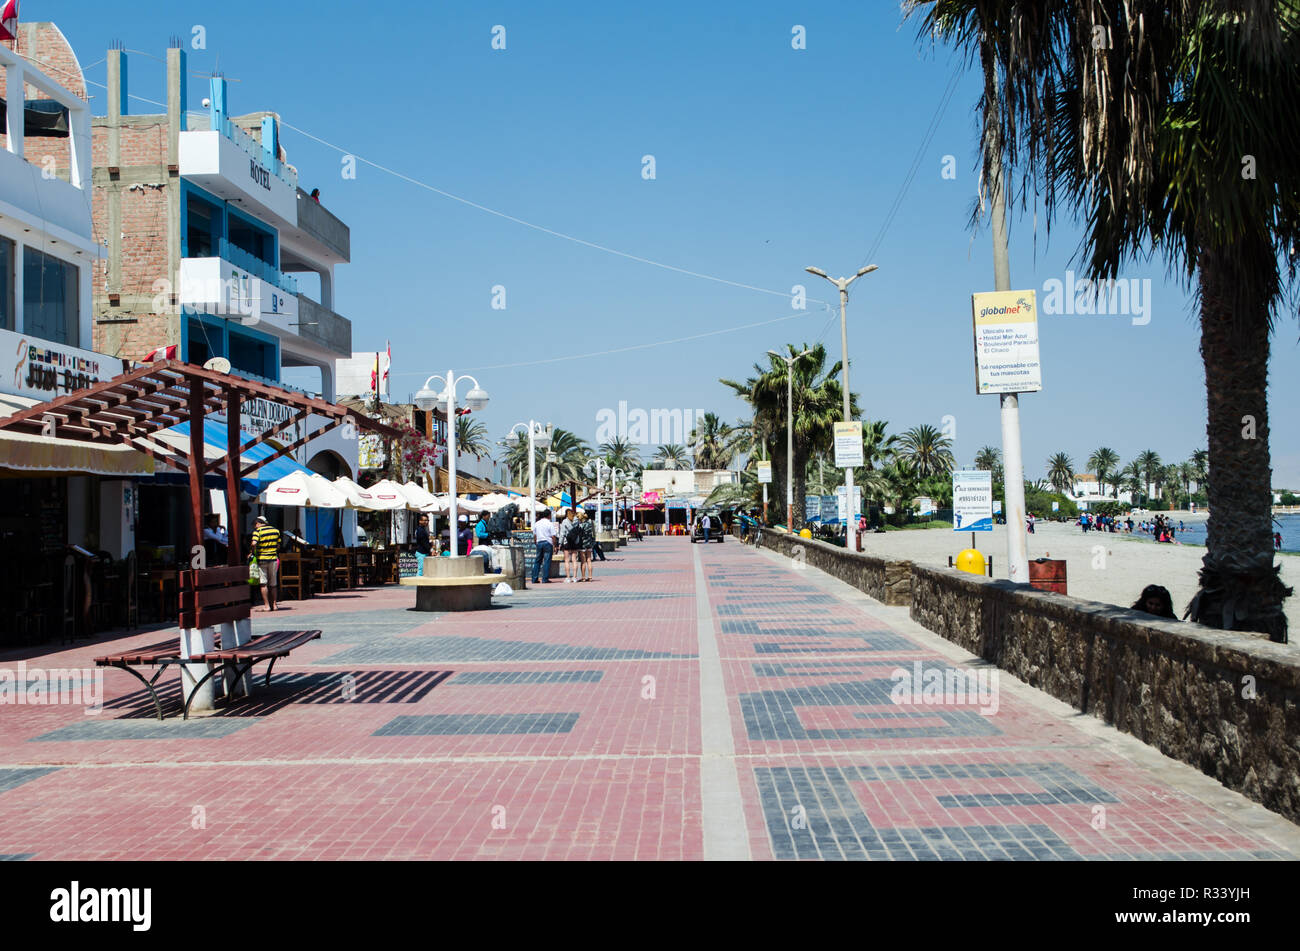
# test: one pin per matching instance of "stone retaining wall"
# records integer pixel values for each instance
(887, 581)
(1226, 703)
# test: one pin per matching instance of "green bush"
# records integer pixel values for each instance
(1039, 504)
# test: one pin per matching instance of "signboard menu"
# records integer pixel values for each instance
(1006, 342)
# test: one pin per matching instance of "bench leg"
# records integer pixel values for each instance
(148, 685)
(227, 668)
(193, 693)
(270, 667)
(196, 642)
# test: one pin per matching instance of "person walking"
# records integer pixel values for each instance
(544, 534)
(266, 558)
(587, 541)
(705, 524)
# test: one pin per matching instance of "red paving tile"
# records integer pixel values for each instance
(568, 726)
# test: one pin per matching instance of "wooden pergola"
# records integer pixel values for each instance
(130, 408)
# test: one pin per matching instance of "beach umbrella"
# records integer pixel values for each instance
(302, 490)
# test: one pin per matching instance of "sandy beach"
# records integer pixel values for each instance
(1115, 574)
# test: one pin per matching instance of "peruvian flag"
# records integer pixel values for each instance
(160, 353)
(9, 20)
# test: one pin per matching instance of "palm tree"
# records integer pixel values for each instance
(1149, 137)
(818, 405)
(711, 440)
(989, 458)
(671, 456)
(1103, 462)
(1201, 466)
(1060, 472)
(622, 454)
(927, 451)
(563, 461)
(1148, 463)
(1131, 479)
(1186, 475)
(472, 437)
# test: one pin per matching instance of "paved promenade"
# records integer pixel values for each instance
(694, 702)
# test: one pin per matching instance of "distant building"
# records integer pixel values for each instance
(686, 482)
(1086, 489)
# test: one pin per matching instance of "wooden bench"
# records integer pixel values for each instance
(214, 607)
(270, 647)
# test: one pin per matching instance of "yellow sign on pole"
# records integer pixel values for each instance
(848, 444)
(1006, 342)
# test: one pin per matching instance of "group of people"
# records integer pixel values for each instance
(1160, 528)
(575, 536)
(1104, 523)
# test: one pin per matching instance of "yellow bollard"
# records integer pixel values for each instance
(971, 561)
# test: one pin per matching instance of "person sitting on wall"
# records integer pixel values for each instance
(1156, 600)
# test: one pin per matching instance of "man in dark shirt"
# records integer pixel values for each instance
(423, 544)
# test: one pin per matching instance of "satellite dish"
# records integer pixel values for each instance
(218, 364)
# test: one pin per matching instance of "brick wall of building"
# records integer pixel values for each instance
(45, 47)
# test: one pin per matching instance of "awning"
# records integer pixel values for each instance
(214, 447)
(27, 454)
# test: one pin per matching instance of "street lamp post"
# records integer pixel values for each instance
(600, 466)
(537, 436)
(426, 399)
(843, 284)
(789, 435)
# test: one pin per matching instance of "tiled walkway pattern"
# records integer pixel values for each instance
(565, 724)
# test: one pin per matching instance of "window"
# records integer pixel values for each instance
(253, 355)
(6, 284)
(202, 227)
(51, 299)
(246, 236)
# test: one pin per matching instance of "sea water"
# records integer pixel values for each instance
(1193, 533)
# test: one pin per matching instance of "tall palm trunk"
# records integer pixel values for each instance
(1240, 588)
(800, 492)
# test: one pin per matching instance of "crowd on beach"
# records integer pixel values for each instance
(1160, 528)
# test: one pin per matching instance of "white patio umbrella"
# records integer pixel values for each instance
(522, 502)
(358, 498)
(303, 491)
(441, 503)
(417, 496)
(386, 495)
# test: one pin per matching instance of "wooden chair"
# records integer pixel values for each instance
(341, 571)
(363, 562)
(316, 570)
(293, 584)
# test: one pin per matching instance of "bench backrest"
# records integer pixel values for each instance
(213, 596)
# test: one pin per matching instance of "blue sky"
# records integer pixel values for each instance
(767, 159)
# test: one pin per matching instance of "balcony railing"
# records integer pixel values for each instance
(253, 147)
(257, 267)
